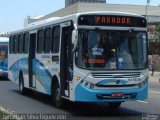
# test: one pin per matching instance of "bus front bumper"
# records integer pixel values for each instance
(85, 94)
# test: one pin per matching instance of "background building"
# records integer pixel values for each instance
(153, 12)
(71, 2)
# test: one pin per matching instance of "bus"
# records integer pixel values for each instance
(96, 57)
(4, 56)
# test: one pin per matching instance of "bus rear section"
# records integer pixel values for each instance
(4, 56)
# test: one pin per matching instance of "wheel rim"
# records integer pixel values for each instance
(58, 94)
(21, 84)
(21, 87)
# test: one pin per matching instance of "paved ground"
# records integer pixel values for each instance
(11, 100)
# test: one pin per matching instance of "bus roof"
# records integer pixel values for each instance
(55, 20)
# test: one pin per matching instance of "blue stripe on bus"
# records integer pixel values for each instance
(103, 82)
(39, 70)
(43, 75)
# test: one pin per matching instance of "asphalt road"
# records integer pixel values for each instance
(38, 104)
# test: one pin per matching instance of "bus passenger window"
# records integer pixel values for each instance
(16, 44)
(20, 39)
(56, 39)
(47, 41)
(26, 42)
(40, 41)
(11, 41)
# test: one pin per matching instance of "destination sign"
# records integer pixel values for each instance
(112, 20)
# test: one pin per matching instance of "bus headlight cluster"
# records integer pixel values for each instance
(141, 84)
(87, 84)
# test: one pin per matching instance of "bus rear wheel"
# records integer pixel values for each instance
(57, 100)
(21, 84)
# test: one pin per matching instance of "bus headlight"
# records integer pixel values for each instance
(141, 84)
(91, 85)
(87, 84)
(82, 81)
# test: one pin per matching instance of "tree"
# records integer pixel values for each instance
(154, 47)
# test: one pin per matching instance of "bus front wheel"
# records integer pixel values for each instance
(57, 100)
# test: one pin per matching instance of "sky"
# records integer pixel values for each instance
(13, 12)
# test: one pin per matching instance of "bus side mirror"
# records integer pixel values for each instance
(74, 39)
(74, 36)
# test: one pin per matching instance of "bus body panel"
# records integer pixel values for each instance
(46, 66)
(83, 92)
(18, 63)
(91, 95)
(41, 74)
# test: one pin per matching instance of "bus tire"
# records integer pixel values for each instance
(21, 84)
(114, 105)
(57, 100)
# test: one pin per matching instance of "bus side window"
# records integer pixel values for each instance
(11, 41)
(47, 40)
(16, 44)
(40, 41)
(26, 42)
(20, 39)
(55, 39)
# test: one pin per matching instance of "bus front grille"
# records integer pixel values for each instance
(115, 74)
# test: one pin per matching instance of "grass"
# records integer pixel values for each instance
(6, 116)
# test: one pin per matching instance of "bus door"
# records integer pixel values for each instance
(66, 62)
(32, 45)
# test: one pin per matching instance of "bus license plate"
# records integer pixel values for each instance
(118, 94)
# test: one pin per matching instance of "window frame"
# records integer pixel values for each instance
(56, 35)
(16, 44)
(11, 44)
(26, 42)
(20, 43)
(40, 42)
(47, 39)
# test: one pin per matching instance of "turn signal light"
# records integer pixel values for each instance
(78, 78)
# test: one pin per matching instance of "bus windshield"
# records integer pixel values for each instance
(106, 49)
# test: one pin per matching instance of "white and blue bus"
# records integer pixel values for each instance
(4, 56)
(84, 57)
